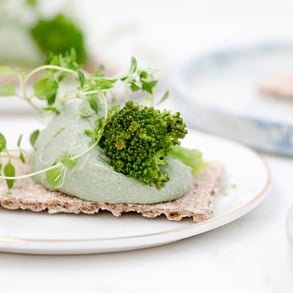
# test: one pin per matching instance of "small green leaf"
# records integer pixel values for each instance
(104, 84)
(19, 141)
(41, 88)
(134, 87)
(148, 86)
(164, 97)
(55, 177)
(9, 171)
(133, 65)
(22, 157)
(89, 133)
(46, 89)
(143, 74)
(69, 162)
(51, 96)
(81, 78)
(7, 90)
(52, 59)
(51, 109)
(34, 136)
(93, 103)
(2, 142)
(123, 78)
(69, 59)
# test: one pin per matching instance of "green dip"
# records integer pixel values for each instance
(93, 178)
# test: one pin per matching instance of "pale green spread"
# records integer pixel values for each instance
(93, 178)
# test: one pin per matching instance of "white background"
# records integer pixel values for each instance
(249, 255)
(164, 32)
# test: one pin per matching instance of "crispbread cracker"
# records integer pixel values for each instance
(196, 204)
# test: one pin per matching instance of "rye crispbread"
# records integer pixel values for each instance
(196, 204)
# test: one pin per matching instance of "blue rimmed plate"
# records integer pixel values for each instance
(218, 93)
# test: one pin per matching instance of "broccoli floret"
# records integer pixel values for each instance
(58, 35)
(190, 157)
(137, 140)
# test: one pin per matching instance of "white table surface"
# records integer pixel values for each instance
(251, 254)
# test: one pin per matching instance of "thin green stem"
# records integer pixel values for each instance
(31, 174)
(49, 168)
(86, 151)
(45, 67)
(24, 95)
(23, 83)
(29, 100)
(96, 91)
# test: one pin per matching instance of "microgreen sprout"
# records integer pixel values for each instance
(48, 87)
(6, 160)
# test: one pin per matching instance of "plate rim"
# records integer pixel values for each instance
(179, 71)
(280, 145)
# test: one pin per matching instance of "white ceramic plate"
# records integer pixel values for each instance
(246, 184)
(218, 92)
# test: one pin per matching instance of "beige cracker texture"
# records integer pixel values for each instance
(196, 204)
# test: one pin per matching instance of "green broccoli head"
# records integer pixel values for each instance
(58, 35)
(137, 140)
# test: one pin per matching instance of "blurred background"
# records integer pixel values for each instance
(164, 33)
(168, 36)
(157, 32)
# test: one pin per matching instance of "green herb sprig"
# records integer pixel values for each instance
(48, 87)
